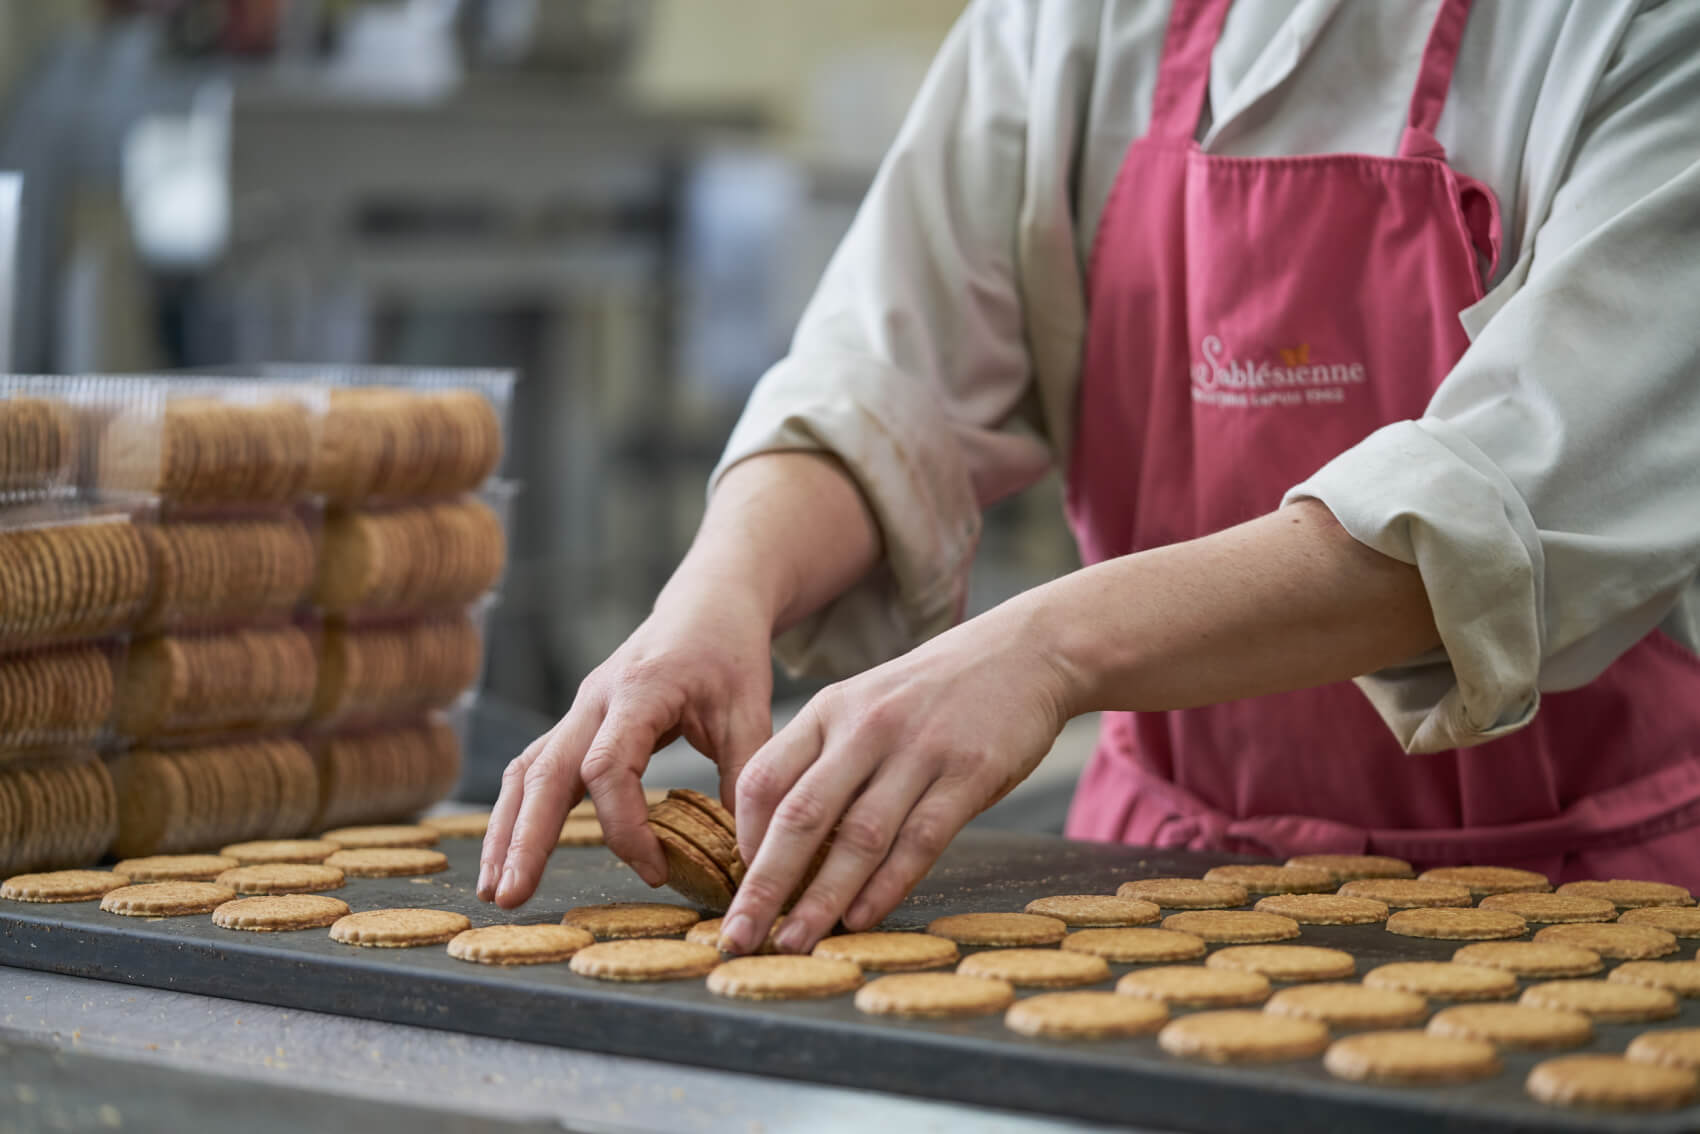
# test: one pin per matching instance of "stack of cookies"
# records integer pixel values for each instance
(700, 840)
(221, 668)
(409, 553)
(72, 577)
(180, 558)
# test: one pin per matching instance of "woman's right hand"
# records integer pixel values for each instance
(699, 667)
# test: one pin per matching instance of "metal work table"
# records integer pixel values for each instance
(824, 1043)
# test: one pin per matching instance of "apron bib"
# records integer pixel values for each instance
(1249, 320)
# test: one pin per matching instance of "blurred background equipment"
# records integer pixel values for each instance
(626, 202)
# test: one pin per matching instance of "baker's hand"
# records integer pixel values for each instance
(698, 667)
(891, 764)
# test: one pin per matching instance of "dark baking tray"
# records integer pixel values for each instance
(975, 1061)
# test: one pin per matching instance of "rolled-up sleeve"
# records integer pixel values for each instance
(910, 364)
(1550, 496)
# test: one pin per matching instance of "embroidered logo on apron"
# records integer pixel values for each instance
(1289, 379)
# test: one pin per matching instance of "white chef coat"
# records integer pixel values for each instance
(1550, 495)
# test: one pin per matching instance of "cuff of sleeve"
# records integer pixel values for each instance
(891, 434)
(1423, 493)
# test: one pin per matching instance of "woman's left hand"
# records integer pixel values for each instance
(891, 764)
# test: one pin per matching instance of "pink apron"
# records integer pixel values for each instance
(1249, 320)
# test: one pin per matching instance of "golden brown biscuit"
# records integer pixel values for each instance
(1273, 879)
(1095, 911)
(1084, 1015)
(1324, 909)
(1037, 968)
(1408, 893)
(260, 852)
(166, 899)
(1242, 1037)
(1245, 926)
(459, 825)
(1453, 924)
(645, 958)
(1513, 1027)
(279, 913)
(707, 932)
(282, 878)
(1602, 1000)
(933, 996)
(691, 871)
(1194, 986)
(1135, 946)
(1442, 980)
(1627, 894)
(1529, 958)
(518, 944)
(1610, 1082)
(616, 920)
(1678, 921)
(890, 952)
(398, 928)
(1667, 1047)
(174, 867)
(388, 862)
(1346, 867)
(1681, 977)
(1550, 908)
(1285, 962)
(1623, 942)
(1185, 893)
(999, 929)
(392, 836)
(783, 978)
(1410, 1058)
(62, 886)
(1350, 1005)
(1481, 880)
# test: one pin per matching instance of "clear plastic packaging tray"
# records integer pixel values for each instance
(208, 442)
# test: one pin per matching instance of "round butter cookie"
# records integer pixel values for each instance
(1185, 893)
(1513, 1027)
(1242, 1037)
(1411, 1058)
(1194, 986)
(1603, 1001)
(1084, 1015)
(1615, 940)
(1610, 1082)
(1242, 926)
(934, 996)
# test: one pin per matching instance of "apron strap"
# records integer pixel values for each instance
(1434, 79)
(1183, 75)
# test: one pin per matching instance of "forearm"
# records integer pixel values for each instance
(1286, 601)
(792, 528)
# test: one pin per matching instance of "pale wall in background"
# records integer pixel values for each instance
(780, 53)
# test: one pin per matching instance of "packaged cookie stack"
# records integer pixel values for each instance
(412, 547)
(221, 666)
(72, 577)
(238, 607)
